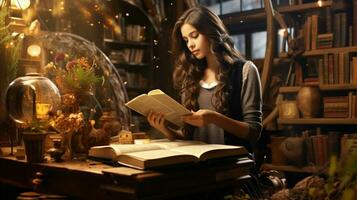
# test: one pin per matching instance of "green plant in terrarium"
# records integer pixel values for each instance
(81, 79)
(39, 126)
(77, 75)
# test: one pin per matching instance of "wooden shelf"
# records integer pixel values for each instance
(290, 168)
(116, 44)
(129, 66)
(295, 89)
(318, 52)
(292, 89)
(304, 7)
(318, 121)
(259, 14)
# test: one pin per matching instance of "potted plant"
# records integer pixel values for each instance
(34, 136)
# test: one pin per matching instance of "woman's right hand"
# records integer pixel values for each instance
(157, 121)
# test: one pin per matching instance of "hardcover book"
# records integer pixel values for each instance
(158, 101)
(160, 153)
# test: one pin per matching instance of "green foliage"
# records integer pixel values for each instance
(79, 78)
(13, 50)
(38, 125)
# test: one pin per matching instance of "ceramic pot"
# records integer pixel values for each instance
(308, 101)
(34, 146)
(293, 149)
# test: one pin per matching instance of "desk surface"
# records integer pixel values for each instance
(93, 180)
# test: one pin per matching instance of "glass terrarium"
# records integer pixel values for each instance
(93, 96)
(32, 97)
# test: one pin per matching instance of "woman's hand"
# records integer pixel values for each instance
(200, 118)
(157, 121)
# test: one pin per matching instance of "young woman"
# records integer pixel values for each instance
(220, 87)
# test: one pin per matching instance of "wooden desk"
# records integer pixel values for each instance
(83, 180)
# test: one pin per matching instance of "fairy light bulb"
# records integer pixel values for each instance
(34, 50)
(21, 4)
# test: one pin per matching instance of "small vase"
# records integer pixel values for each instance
(56, 152)
(308, 101)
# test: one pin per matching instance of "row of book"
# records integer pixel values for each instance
(121, 32)
(320, 147)
(330, 31)
(132, 56)
(336, 107)
(340, 106)
(338, 68)
(133, 80)
(329, 69)
(316, 147)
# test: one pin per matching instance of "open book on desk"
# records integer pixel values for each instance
(158, 101)
(161, 153)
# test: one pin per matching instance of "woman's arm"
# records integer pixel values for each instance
(157, 121)
(203, 117)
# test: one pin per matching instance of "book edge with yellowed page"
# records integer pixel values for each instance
(161, 156)
(158, 101)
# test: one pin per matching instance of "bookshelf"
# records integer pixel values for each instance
(129, 44)
(328, 64)
(306, 69)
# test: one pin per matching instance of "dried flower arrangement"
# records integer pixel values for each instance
(72, 75)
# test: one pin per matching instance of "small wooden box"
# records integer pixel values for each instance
(288, 110)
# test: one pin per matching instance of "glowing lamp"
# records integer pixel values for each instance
(21, 4)
(34, 50)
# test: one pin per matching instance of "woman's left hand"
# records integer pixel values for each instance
(200, 118)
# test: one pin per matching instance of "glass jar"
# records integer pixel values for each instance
(32, 97)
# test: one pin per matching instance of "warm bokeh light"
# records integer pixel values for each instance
(281, 32)
(21, 4)
(34, 50)
(319, 3)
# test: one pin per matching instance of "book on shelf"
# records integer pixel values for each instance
(163, 153)
(158, 101)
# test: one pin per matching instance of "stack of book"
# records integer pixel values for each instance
(324, 41)
(336, 107)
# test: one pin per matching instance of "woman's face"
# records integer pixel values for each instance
(197, 43)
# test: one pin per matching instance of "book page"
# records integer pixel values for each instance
(112, 151)
(167, 144)
(158, 101)
(176, 109)
(209, 151)
(155, 158)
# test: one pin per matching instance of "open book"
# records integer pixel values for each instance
(163, 153)
(158, 101)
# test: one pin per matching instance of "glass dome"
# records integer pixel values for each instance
(77, 66)
(32, 97)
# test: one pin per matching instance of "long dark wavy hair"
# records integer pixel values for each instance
(189, 70)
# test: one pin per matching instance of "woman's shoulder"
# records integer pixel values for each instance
(250, 70)
(247, 67)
